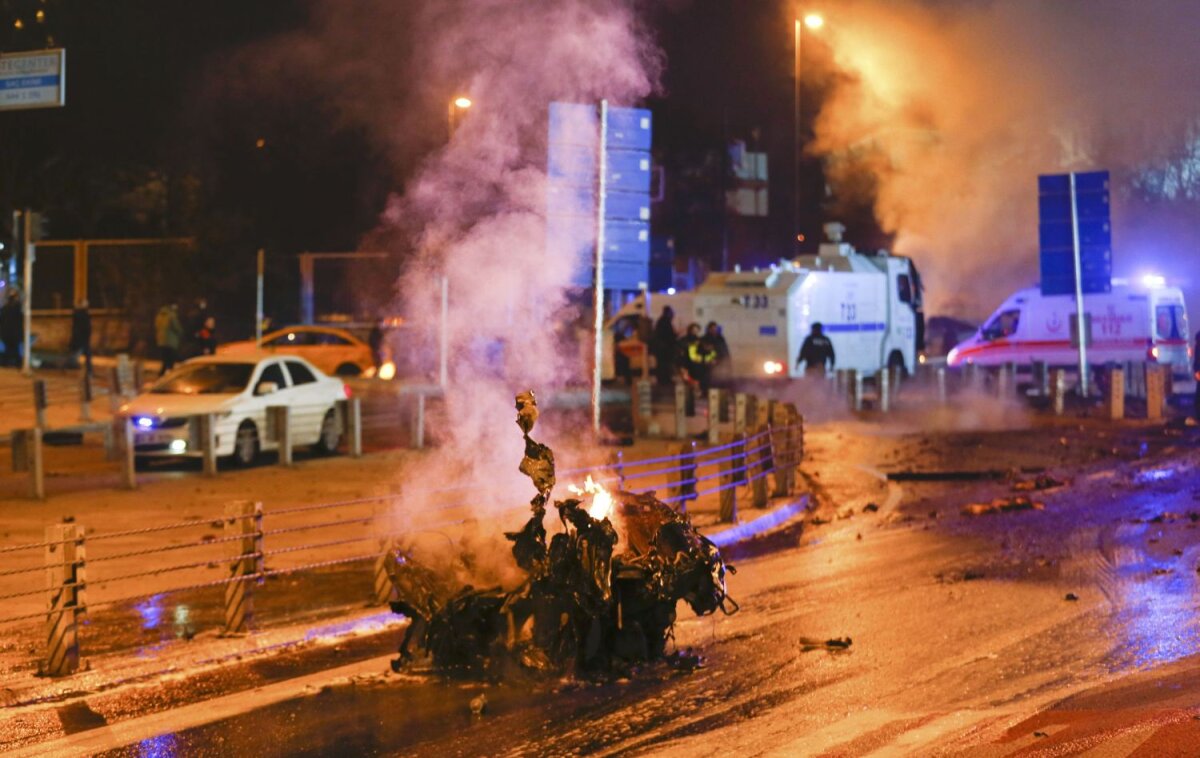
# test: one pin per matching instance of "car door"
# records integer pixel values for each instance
(309, 402)
(272, 371)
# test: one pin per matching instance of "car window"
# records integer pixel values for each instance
(300, 373)
(1002, 325)
(205, 379)
(1171, 322)
(272, 372)
(292, 339)
(904, 288)
(324, 338)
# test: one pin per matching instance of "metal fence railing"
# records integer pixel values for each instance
(87, 572)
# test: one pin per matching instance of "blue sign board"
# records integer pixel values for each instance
(1056, 233)
(572, 171)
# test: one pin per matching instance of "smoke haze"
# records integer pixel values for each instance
(952, 109)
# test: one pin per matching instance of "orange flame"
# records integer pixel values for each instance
(602, 501)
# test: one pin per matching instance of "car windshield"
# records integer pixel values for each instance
(206, 379)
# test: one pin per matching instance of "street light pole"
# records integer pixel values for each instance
(812, 21)
(452, 110)
(796, 138)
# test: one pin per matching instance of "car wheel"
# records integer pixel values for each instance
(331, 434)
(245, 447)
(896, 361)
(348, 369)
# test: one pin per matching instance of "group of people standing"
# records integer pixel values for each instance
(170, 337)
(700, 358)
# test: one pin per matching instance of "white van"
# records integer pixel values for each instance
(1128, 324)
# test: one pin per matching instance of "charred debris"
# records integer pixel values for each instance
(590, 604)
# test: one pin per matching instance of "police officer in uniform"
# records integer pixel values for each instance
(816, 353)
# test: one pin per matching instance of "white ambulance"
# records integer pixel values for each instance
(868, 305)
(1131, 323)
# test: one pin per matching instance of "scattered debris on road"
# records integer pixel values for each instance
(582, 606)
(1038, 483)
(1071, 596)
(835, 645)
(1002, 505)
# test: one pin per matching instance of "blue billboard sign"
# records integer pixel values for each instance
(1056, 232)
(573, 177)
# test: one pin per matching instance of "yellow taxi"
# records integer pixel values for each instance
(334, 351)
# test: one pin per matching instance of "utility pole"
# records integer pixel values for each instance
(601, 198)
(27, 292)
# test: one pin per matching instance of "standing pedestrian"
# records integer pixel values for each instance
(721, 370)
(167, 334)
(81, 335)
(375, 342)
(663, 345)
(702, 354)
(12, 328)
(816, 353)
(1196, 375)
(206, 337)
(197, 317)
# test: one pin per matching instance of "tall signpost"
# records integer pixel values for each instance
(1075, 238)
(34, 79)
(598, 204)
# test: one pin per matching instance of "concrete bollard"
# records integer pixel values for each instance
(1039, 377)
(715, 398)
(760, 463)
(418, 421)
(643, 407)
(123, 428)
(85, 397)
(279, 429)
(20, 441)
(350, 411)
(941, 385)
(1115, 400)
(1002, 385)
(729, 481)
(65, 580)
(681, 399)
(855, 381)
(1058, 390)
(1155, 393)
(125, 378)
(114, 390)
(684, 487)
(38, 478)
(883, 382)
(740, 402)
(204, 434)
(243, 518)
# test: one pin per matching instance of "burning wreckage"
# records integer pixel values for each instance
(582, 606)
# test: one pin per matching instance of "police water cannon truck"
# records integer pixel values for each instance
(870, 306)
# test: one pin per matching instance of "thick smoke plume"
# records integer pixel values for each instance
(474, 209)
(952, 109)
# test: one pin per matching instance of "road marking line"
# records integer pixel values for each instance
(197, 714)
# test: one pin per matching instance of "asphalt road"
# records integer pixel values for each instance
(965, 638)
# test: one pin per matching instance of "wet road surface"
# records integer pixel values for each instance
(962, 628)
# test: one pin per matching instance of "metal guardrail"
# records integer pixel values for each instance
(741, 461)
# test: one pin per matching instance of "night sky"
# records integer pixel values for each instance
(154, 141)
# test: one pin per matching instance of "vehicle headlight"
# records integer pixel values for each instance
(770, 368)
(178, 446)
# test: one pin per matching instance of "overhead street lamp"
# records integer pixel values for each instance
(454, 113)
(813, 21)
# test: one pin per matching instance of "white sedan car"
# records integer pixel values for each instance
(238, 389)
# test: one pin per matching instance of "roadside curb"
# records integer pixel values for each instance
(760, 525)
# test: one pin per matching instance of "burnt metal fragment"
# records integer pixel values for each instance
(588, 604)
